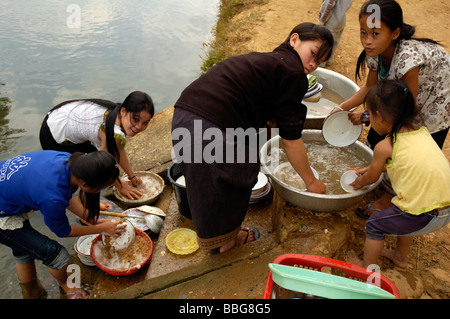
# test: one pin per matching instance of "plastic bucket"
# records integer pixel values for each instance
(174, 173)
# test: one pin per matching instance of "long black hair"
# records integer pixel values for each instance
(394, 101)
(134, 103)
(98, 170)
(105, 103)
(308, 31)
(392, 14)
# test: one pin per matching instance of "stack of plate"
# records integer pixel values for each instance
(261, 189)
(314, 87)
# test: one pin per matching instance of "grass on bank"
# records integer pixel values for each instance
(229, 35)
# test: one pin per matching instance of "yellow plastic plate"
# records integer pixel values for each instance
(182, 241)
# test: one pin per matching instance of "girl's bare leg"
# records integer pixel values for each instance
(399, 255)
(372, 251)
(61, 276)
(26, 272)
(28, 282)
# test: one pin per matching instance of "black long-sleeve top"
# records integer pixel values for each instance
(251, 89)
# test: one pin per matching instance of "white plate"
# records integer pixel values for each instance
(263, 193)
(260, 183)
(260, 196)
(151, 210)
(339, 131)
(125, 239)
(346, 179)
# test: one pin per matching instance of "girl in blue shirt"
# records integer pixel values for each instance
(43, 181)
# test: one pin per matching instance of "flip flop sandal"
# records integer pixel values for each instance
(255, 231)
(361, 212)
(247, 230)
(72, 295)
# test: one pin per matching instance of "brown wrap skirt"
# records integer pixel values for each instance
(218, 192)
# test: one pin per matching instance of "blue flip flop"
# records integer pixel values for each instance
(361, 212)
(255, 230)
(246, 229)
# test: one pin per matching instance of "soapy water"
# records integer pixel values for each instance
(150, 187)
(329, 99)
(329, 161)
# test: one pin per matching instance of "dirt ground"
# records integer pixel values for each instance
(297, 231)
(266, 26)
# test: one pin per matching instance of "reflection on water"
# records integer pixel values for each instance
(8, 136)
(120, 46)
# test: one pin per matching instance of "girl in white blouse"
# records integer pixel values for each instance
(93, 124)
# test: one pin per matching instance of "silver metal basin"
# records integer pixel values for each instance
(335, 82)
(312, 201)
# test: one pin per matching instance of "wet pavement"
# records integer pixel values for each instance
(239, 273)
(169, 275)
(242, 272)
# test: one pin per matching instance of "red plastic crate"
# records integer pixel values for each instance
(312, 262)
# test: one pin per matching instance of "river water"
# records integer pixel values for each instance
(53, 50)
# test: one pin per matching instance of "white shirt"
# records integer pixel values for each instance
(79, 122)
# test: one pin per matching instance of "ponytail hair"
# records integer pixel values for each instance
(394, 101)
(134, 103)
(392, 15)
(98, 170)
(105, 103)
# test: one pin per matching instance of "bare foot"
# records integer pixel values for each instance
(393, 256)
(383, 202)
(78, 294)
(241, 239)
(353, 258)
(227, 246)
(74, 293)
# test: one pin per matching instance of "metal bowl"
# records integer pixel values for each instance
(335, 82)
(83, 249)
(312, 201)
(150, 181)
(154, 222)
